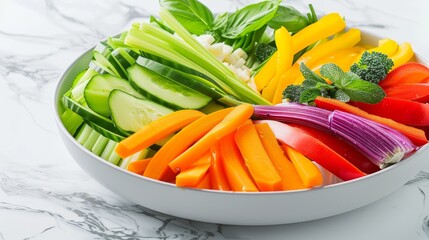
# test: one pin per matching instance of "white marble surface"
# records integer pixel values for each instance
(45, 195)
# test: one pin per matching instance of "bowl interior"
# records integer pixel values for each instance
(264, 208)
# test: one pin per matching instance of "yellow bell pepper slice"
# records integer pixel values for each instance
(343, 41)
(284, 61)
(326, 26)
(267, 73)
(404, 54)
(343, 58)
(386, 46)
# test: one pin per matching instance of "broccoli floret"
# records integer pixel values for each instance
(372, 66)
(293, 93)
(264, 51)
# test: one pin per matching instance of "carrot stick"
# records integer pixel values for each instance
(256, 159)
(290, 178)
(309, 173)
(138, 166)
(204, 183)
(195, 173)
(417, 136)
(155, 131)
(169, 175)
(235, 171)
(217, 174)
(181, 141)
(230, 123)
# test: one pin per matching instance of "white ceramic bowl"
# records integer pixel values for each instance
(234, 207)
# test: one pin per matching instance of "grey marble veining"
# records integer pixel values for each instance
(45, 195)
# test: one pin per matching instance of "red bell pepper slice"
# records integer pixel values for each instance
(341, 147)
(403, 111)
(418, 92)
(411, 72)
(417, 136)
(314, 149)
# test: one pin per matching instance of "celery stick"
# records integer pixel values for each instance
(181, 52)
(114, 158)
(110, 147)
(99, 145)
(83, 134)
(90, 141)
(220, 70)
(136, 156)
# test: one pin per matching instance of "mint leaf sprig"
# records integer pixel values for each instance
(346, 86)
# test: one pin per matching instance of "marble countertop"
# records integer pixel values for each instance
(45, 195)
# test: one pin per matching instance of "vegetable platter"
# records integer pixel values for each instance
(260, 116)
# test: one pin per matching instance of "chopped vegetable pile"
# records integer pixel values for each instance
(264, 98)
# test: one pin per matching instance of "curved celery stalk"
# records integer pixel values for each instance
(204, 58)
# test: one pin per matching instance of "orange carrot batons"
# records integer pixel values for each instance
(256, 159)
(235, 170)
(195, 173)
(217, 174)
(138, 166)
(230, 123)
(155, 131)
(310, 174)
(181, 141)
(290, 178)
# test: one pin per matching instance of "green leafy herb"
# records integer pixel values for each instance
(372, 66)
(250, 18)
(290, 18)
(220, 22)
(346, 86)
(193, 15)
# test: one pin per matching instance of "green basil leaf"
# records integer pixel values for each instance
(364, 91)
(193, 15)
(220, 21)
(249, 19)
(290, 18)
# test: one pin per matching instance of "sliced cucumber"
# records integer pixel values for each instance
(110, 65)
(102, 54)
(103, 48)
(100, 68)
(193, 81)
(79, 84)
(165, 91)
(124, 57)
(130, 113)
(89, 115)
(98, 89)
(114, 136)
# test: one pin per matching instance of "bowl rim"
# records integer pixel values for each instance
(57, 107)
